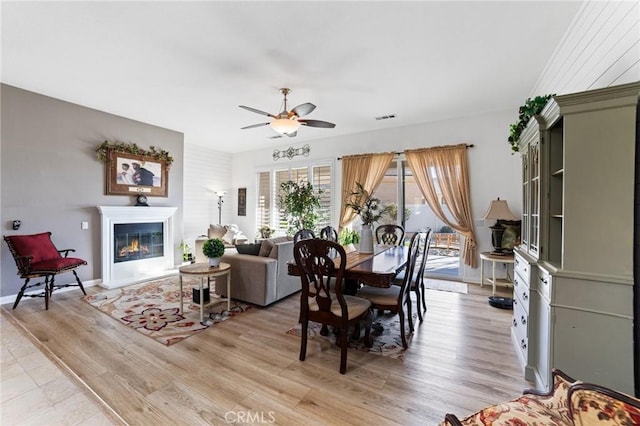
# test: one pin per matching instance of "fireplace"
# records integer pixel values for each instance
(135, 241)
(137, 244)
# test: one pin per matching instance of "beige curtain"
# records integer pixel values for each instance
(449, 164)
(368, 169)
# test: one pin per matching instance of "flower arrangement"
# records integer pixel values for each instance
(366, 205)
(213, 247)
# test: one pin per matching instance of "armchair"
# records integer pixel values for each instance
(37, 257)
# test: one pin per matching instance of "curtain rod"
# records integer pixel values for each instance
(400, 153)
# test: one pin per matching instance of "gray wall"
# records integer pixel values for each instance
(51, 180)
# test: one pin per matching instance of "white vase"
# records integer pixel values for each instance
(214, 261)
(366, 239)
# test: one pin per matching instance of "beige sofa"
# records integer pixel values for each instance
(262, 279)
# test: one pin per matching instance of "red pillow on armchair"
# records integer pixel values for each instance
(39, 246)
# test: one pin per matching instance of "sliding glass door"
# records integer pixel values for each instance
(409, 209)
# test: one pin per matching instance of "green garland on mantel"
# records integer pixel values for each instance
(530, 108)
(132, 148)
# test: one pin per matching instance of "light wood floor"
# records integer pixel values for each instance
(459, 360)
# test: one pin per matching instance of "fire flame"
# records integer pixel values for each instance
(133, 247)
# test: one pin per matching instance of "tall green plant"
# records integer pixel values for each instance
(301, 205)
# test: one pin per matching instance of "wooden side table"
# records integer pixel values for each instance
(494, 258)
(203, 270)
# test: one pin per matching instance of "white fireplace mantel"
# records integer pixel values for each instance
(124, 273)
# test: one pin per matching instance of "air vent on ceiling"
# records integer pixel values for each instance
(386, 117)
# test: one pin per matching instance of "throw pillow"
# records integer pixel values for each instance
(267, 245)
(265, 248)
(217, 231)
(252, 249)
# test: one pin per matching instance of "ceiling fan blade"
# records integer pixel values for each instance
(257, 111)
(254, 125)
(317, 123)
(303, 109)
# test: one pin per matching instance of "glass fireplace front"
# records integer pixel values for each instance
(135, 241)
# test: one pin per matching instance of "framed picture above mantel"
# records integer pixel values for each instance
(133, 174)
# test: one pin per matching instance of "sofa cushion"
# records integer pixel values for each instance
(268, 244)
(252, 249)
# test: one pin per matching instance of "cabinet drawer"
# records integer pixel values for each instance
(520, 295)
(521, 268)
(520, 320)
(544, 282)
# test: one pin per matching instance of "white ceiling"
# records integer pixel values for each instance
(187, 66)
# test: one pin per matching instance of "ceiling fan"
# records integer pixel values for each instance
(287, 122)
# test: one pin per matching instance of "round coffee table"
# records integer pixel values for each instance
(203, 270)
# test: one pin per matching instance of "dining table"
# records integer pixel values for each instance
(377, 269)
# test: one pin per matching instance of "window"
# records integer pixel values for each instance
(269, 212)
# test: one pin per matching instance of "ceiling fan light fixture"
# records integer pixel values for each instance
(285, 126)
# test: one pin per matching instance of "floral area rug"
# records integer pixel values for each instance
(385, 336)
(153, 309)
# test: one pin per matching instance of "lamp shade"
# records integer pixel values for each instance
(499, 209)
(285, 125)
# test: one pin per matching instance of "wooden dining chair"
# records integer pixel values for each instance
(395, 298)
(329, 233)
(37, 257)
(322, 300)
(390, 235)
(303, 234)
(417, 282)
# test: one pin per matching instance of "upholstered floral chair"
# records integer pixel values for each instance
(570, 402)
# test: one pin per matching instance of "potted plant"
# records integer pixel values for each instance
(530, 108)
(187, 256)
(301, 204)
(348, 238)
(213, 248)
(369, 209)
(265, 231)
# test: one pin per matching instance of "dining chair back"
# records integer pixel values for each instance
(322, 299)
(37, 257)
(329, 233)
(396, 297)
(390, 235)
(303, 234)
(417, 282)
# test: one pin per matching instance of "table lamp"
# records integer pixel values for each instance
(498, 210)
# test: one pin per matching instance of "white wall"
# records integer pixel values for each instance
(600, 49)
(206, 172)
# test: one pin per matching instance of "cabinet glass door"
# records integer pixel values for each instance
(524, 230)
(534, 192)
